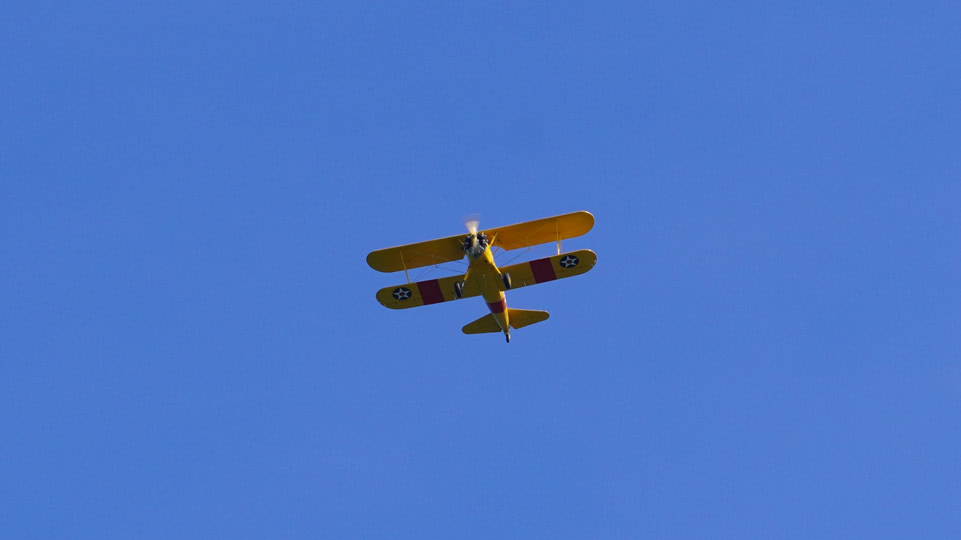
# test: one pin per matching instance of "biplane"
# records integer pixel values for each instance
(483, 277)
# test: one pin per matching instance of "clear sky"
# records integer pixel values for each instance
(767, 348)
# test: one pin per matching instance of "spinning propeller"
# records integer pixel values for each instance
(471, 222)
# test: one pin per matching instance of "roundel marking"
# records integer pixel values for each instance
(569, 261)
(401, 293)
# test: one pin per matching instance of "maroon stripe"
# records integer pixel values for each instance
(430, 291)
(543, 270)
(498, 307)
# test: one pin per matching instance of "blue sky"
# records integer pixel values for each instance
(768, 346)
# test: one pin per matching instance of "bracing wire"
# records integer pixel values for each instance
(427, 269)
(528, 250)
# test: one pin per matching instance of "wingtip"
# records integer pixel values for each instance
(587, 217)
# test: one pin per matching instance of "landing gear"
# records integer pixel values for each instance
(506, 278)
(459, 289)
(508, 336)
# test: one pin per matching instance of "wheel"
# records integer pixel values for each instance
(459, 289)
(506, 278)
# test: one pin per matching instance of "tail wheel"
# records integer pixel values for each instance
(459, 289)
(506, 278)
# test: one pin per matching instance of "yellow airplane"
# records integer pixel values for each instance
(483, 277)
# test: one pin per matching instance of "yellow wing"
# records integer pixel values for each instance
(422, 293)
(435, 291)
(409, 256)
(442, 250)
(560, 266)
(542, 231)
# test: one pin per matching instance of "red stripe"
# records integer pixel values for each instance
(498, 307)
(430, 291)
(543, 270)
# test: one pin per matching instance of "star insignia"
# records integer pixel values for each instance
(569, 261)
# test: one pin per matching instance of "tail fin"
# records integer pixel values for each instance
(520, 318)
(485, 324)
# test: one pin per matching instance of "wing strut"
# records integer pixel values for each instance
(402, 263)
(557, 232)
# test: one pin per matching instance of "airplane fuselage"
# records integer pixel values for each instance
(483, 273)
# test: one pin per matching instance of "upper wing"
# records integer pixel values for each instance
(442, 250)
(560, 266)
(421, 293)
(541, 231)
(409, 256)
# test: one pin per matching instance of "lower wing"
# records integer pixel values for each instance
(422, 293)
(435, 291)
(560, 266)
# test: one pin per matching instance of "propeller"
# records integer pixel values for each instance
(471, 222)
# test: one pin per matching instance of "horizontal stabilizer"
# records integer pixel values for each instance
(520, 318)
(484, 325)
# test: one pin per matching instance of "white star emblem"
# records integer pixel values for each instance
(569, 261)
(401, 293)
